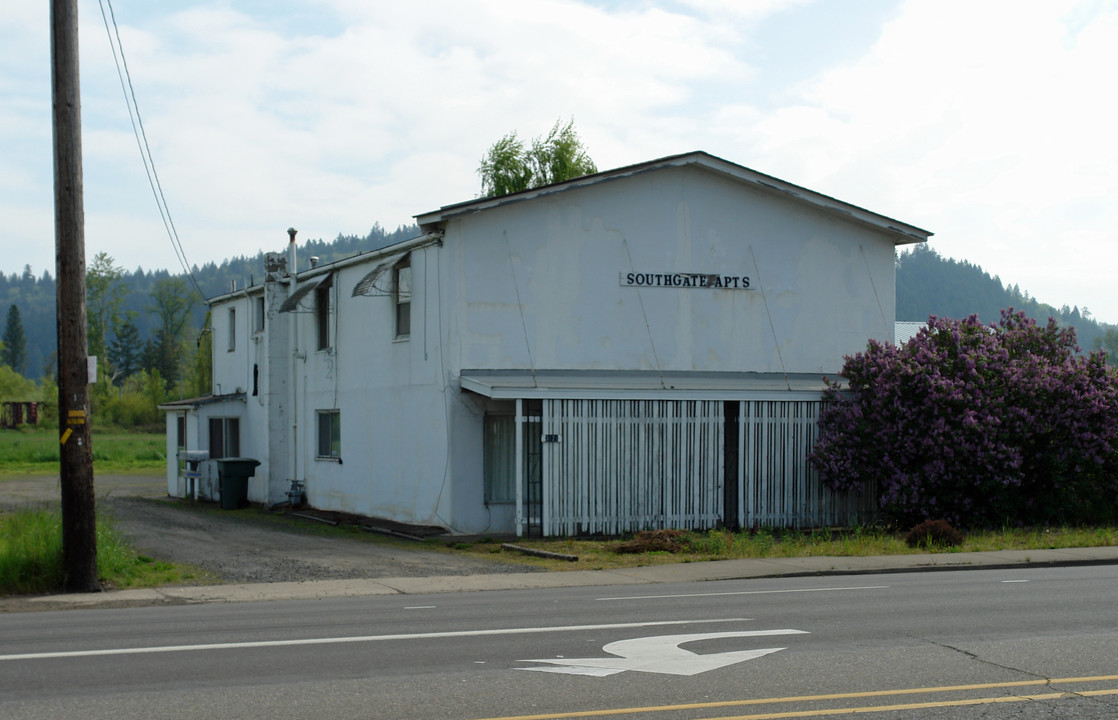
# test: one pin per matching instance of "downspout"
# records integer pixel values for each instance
(294, 395)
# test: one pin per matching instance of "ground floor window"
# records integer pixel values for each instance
(329, 434)
(500, 458)
(225, 437)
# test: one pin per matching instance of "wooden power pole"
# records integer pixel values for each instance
(79, 531)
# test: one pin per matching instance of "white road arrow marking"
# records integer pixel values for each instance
(661, 654)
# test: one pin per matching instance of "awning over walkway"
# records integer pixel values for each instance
(590, 384)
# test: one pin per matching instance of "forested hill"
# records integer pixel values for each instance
(34, 295)
(928, 284)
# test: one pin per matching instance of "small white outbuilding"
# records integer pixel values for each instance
(640, 348)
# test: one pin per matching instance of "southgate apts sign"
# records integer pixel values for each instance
(685, 280)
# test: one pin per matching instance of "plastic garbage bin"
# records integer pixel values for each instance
(233, 475)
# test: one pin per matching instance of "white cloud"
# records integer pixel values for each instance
(988, 123)
(978, 121)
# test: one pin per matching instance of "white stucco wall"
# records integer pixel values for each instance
(820, 287)
(391, 397)
(232, 367)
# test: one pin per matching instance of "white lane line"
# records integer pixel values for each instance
(356, 639)
(745, 592)
(1014, 581)
(420, 607)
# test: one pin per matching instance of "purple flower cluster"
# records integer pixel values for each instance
(980, 425)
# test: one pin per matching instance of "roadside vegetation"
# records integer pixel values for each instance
(674, 546)
(31, 557)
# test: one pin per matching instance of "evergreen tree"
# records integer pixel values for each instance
(168, 352)
(125, 351)
(15, 342)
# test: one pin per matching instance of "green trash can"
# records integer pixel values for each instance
(233, 475)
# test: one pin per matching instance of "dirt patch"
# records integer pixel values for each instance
(673, 541)
(234, 548)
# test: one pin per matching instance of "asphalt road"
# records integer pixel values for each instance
(1023, 643)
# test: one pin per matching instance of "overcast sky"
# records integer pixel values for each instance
(991, 124)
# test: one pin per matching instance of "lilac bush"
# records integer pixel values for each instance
(979, 425)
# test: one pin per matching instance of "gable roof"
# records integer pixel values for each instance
(902, 233)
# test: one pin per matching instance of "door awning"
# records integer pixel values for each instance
(302, 291)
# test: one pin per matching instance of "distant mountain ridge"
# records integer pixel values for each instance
(35, 295)
(927, 284)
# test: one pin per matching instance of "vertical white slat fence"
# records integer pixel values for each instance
(779, 488)
(616, 466)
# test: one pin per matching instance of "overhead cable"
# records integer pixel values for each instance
(142, 142)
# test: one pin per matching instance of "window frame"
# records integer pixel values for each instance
(228, 436)
(401, 297)
(328, 433)
(499, 458)
(232, 329)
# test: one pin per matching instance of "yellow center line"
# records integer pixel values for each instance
(917, 706)
(844, 696)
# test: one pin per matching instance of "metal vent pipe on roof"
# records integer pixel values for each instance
(291, 253)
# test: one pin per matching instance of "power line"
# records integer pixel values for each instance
(142, 142)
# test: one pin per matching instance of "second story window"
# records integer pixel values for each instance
(322, 314)
(402, 288)
(232, 329)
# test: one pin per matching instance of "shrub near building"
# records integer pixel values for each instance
(979, 425)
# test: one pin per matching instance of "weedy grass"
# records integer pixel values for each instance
(688, 546)
(31, 556)
(35, 451)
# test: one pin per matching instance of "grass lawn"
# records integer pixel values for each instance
(35, 451)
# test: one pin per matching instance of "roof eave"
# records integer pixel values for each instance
(902, 233)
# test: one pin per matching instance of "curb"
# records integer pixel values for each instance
(647, 575)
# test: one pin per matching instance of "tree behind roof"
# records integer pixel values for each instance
(510, 167)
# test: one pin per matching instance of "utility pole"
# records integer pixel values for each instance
(79, 531)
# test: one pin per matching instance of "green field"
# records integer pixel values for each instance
(35, 451)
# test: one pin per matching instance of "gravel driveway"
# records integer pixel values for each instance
(235, 549)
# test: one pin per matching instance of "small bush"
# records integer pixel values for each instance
(716, 542)
(933, 534)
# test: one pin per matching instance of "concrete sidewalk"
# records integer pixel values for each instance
(681, 572)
